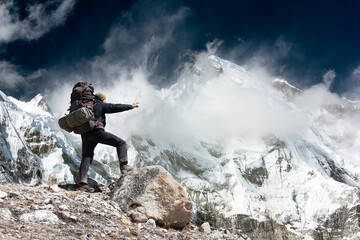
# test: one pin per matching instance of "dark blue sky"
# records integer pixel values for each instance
(296, 40)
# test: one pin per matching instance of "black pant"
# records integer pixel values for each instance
(89, 142)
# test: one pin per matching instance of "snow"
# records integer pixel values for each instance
(32, 106)
(25, 120)
(222, 123)
(55, 170)
(300, 188)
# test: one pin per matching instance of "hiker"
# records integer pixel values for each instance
(99, 135)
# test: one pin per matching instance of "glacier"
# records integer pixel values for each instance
(256, 154)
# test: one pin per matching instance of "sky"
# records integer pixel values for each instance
(45, 45)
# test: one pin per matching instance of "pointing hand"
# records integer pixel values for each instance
(135, 105)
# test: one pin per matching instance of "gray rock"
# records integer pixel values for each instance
(46, 207)
(64, 215)
(205, 228)
(3, 194)
(39, 216)
(13, 194)
(73, 218)
(157, 193)
(138, 217)
(151, 223)
(5, 214)
(55, 188)
(63, 207)
(34, 207)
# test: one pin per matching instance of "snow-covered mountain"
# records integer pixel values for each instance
(33, 149)
(255, 154)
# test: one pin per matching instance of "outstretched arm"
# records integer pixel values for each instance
(114, 108)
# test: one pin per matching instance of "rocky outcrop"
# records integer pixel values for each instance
(344, 223)
(151, 192)
(49, 212)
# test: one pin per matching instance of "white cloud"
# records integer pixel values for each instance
(353, 85)
(356, 73)
(328, 78)
(212, 47)
(316, 97)
(209, 106)
(38, 22)
(9, 76)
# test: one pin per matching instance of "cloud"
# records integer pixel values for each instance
(38, 21)
(10, 78)
(140, 53)
(212, 47)
(202, 102)
(356, 73)
(328, 78)
(353, 85)
(317, 97)
(274, 55)
(147, 37)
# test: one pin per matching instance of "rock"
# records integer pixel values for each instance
(63, 207)
(39, 216)
(54, 188)
(64, 215)
(34, 207)
(205, 228)
(138, 217)
(151, 223)
(46, 207)
(5, 214)
(3, 194)
(156, 191)
(73, 218)
(89, 216)
(13, 194)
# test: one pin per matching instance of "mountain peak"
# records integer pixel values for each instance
(3, 97)
(286, 89)
(39, 101)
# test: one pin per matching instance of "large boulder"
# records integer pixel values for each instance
(152, 192)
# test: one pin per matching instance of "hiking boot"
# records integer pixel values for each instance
(85, 188)
(126, 168)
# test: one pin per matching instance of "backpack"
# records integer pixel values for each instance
(81, 117)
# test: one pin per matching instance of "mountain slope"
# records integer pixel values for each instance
(293, 163)
(33, 149)
(255, 154)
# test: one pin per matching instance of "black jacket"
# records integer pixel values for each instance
(100, 109)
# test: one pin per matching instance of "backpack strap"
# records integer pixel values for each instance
(84, 88)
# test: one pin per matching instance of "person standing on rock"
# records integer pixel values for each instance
(99, 135)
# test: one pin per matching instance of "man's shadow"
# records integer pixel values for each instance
(75, 187)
